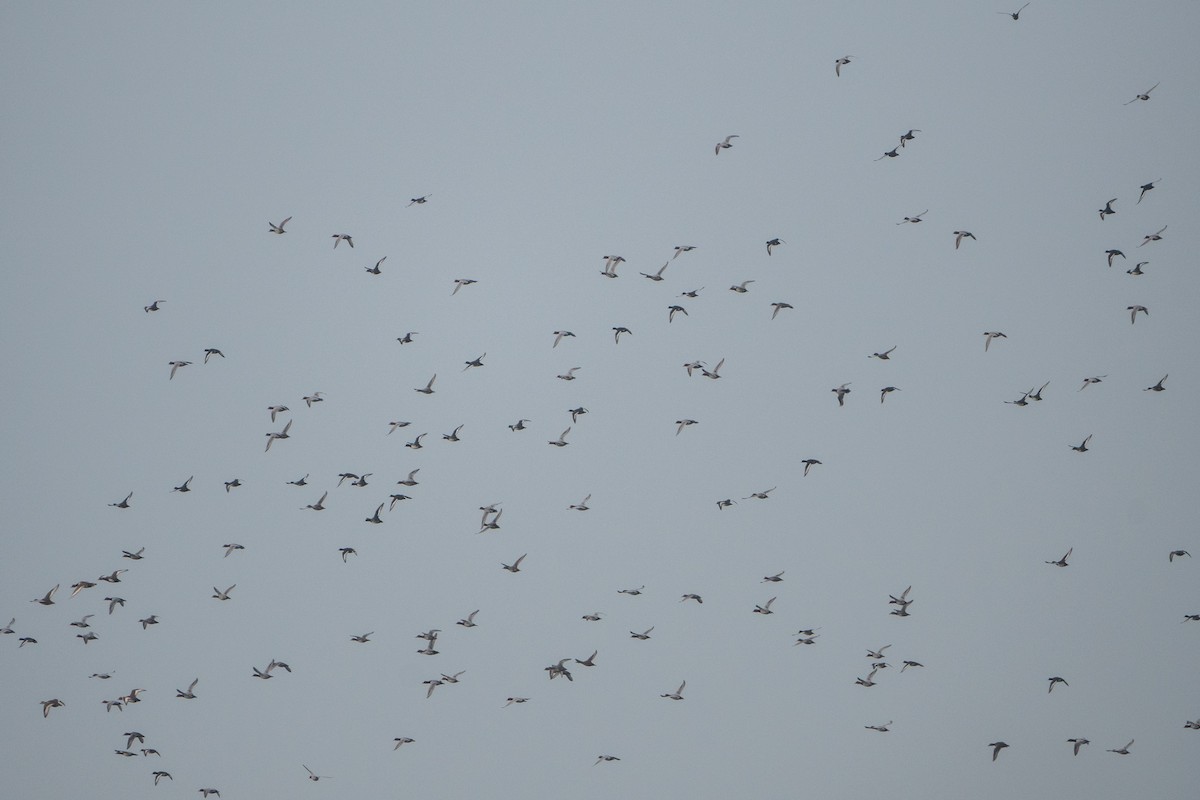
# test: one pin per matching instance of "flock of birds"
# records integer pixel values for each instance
(900, 605)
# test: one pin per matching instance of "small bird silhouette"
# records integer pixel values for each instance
(726, 144)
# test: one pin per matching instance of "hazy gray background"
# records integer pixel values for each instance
(146, 146)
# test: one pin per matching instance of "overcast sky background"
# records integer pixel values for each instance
(146, 148)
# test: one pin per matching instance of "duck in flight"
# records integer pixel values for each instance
(1145, 95)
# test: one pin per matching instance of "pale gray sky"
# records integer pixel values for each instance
(148, 145)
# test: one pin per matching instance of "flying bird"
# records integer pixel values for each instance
(312, 776)
(1145, 187)
(460, 283)
(841, 393)
(683, 423)
(715, 374)
(868, 681)
(48, 598)
(673, 310)
(223, 595)
(914, 218)
(428, 387)
(657, 276)
(315, 397)
(124, 503)
(884, 356)
(960, 235)
(777, 307)
(153, 306)
(279, 228)
(375, 270)
(726, 144)
(420, 201)
(1082, 446)
(839, 63)
(1178, 554)
(209, 352)
(1062, 562)
(190, 693)
(283, 434)
(1056, 680)
(1145, 95)
(175, 365)
(1113, 254)
(1123, 751)
(885, 391)
(1089, 381)
(996, 748)
(560, 335)
(677, 694)
(773, 243)
(1158, 387)
(338, 238)
(516, 565)
(561, 441)
(610, 266)
(1153, 237)
(1108, 209)
(1015, 15)
(1078, 743)
(1133, 310)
